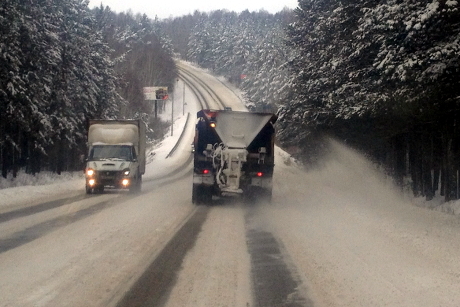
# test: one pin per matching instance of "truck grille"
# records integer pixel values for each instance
(109, 175)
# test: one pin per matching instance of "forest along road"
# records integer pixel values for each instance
(337, 235)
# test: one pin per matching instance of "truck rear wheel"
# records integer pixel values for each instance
(195, 194)
(207, 195)
(201, 194)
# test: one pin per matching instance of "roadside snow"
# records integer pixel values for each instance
(357, 241)
(30, 190)
(438, 204)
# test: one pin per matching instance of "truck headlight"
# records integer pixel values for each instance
(89, 172)
(126, 172)
(91, 182)
(125, 182)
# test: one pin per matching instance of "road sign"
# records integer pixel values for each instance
(150, 92)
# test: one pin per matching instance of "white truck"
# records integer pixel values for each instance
(233, 155)
(116, 155)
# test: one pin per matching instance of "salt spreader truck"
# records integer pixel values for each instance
(116, 156)
(233, 155)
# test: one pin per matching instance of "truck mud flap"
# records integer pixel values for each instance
(201, 194)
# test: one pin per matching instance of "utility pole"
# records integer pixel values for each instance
(172, 114)
(183, 100)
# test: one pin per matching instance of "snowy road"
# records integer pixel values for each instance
(335, 236)
(355, 242)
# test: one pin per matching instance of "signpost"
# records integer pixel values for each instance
(160, 93)
(156, 93)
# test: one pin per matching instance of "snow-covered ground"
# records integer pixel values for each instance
(357, 241)
(352, 238)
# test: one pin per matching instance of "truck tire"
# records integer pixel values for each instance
(201, 194)
(89, 190)
(137, 186)
(195, 194)
(99, 189)
(207, 195)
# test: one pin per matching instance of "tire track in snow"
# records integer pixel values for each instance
(275, 281)
(7, 216)
(34, 232)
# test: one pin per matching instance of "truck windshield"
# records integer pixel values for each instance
(111, 152)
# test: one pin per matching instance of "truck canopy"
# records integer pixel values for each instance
(113, 134)
(237, 129)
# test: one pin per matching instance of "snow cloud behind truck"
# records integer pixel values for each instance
(116, 156)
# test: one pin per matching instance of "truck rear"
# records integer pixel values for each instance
(116, 156)
(233, 155)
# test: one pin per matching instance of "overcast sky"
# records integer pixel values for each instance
(174, 8)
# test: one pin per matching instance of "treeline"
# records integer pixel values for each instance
(247, 48)
(62, 64)
(382, 76)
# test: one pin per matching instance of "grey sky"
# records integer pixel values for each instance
(168, 8)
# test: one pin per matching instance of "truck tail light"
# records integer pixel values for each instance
(260, 174)
(205, 171)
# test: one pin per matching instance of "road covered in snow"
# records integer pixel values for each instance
(337, 235)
